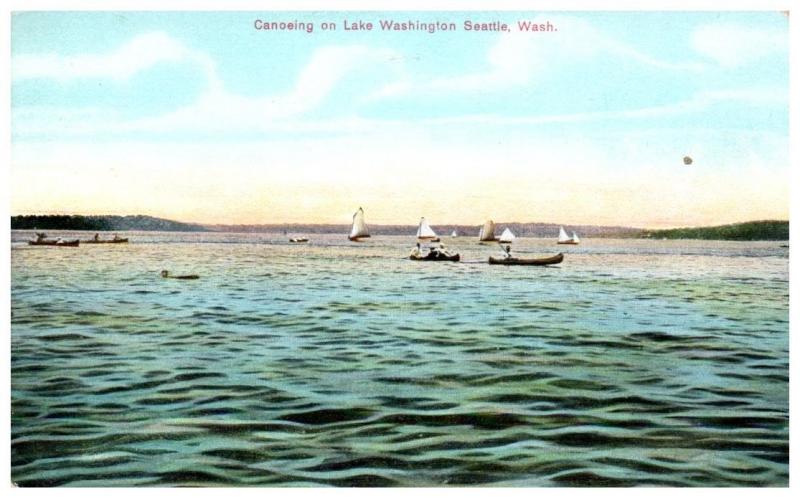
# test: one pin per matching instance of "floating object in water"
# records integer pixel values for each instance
(424, 231)
(687, 160)
(436, 255)
(454, 234)
(564, 238)
(55, 243)
(165, 274)
(507, 236)
(517, 261)
(359, 226)
(487, 232)
(299, 239)
(97, 240)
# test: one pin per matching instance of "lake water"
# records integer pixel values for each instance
(634, 362)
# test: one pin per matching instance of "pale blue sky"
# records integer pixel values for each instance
(605, 108)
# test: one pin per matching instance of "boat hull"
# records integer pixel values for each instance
(69, 243)
(568, 242)
(437, 257)
(298, 240)
(517, 261)
(357, 238)
(105, 242)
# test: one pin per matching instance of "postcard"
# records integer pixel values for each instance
(350, 248)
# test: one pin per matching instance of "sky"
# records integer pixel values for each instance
(200, 117)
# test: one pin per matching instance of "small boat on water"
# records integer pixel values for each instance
(55, 243)
(426, 233)
(565, 239)
(507, 236)
(437, 255)
(519, 261)
(166, 274)
(454, 234)
(299, 239)
(359, 229)
(96, 240)
(41, 239)
(487, 232)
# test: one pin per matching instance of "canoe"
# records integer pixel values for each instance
(542, 261)
(55, 243)
(436, 257)
(100, 242)
(298, 240)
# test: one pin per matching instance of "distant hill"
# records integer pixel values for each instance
(767, 230)
(101, 223)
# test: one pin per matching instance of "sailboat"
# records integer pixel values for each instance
(564, 238)
(359, 226)
(487, 232)
(507, 236)
(453, 234)
(424, 231)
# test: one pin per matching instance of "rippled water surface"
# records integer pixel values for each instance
(330, 363)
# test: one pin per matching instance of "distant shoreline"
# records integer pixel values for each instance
(766, 230)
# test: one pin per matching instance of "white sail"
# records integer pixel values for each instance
(507, 236)
(562, 235)
(487, 232)
(424, 231)
(575, 237)
(454, 234)
(359, 226)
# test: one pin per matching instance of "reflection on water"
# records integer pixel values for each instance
(331, 363)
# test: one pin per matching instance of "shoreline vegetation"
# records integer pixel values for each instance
(763, 230)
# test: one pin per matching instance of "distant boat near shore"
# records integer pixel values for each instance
(487, 232)
(359, 230)
(507, 236)
(565, 239)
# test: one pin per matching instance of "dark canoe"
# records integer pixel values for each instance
(100, 242)
(542, 261)
(54, 243)
(437, 257)
(183, 277)
(298, 240)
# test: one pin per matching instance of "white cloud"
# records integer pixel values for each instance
(519, 58)
(733, 45)
(140, 53)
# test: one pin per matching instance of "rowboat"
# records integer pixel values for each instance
(55, 243)
(96, 242)
(436, 256)
(517, 261)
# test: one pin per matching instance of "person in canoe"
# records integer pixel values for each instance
(507, 252)
(40, 237)
(96, 237)
(416, 251)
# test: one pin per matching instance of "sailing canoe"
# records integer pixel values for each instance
(359, 229)
(564, 238)
(487, 232)
(517, 261)
(55, 243)
(425, 232)
(507, 236)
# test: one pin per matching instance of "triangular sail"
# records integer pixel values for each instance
(359, 226)
(507, 236)
(562, 235)
(575, 237)
(424, 231)
(487, 231)
(454, 234)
